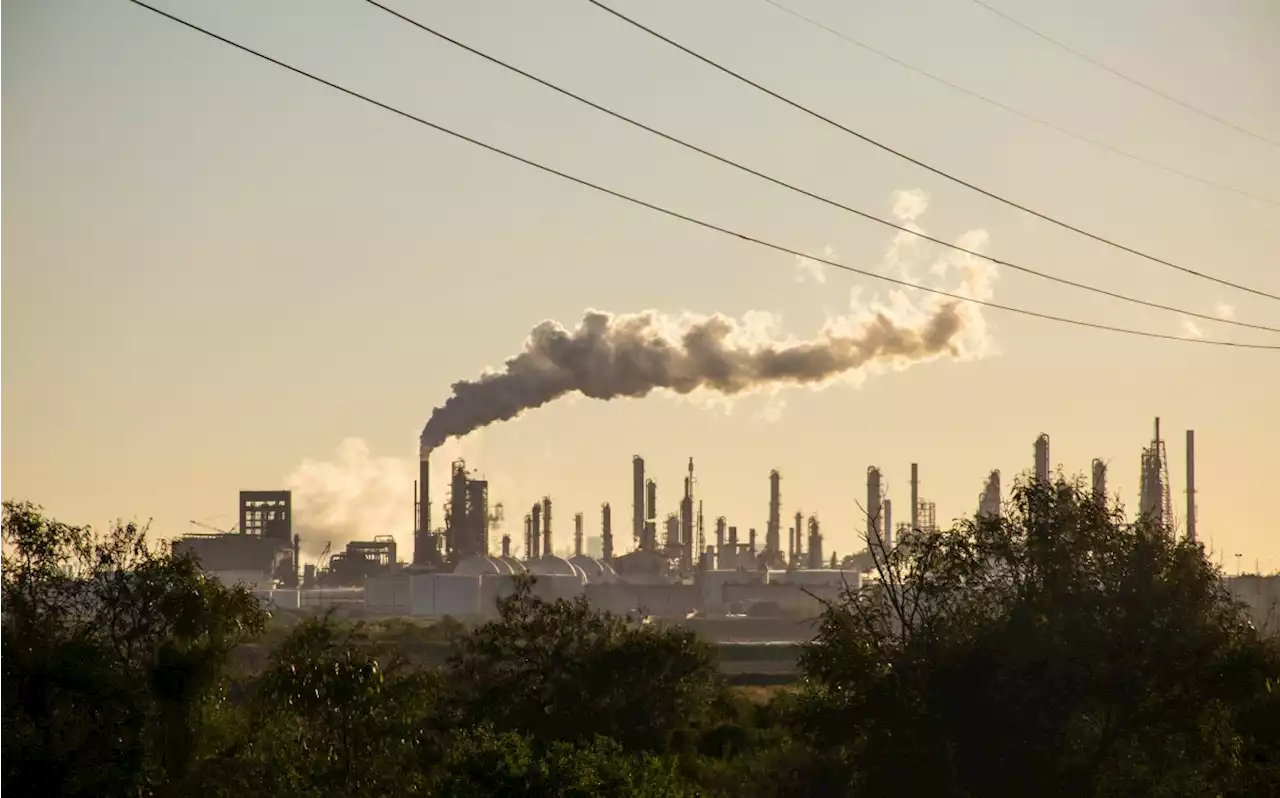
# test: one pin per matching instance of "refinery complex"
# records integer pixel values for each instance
(672, 564)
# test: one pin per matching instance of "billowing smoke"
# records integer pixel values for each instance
(630, 355)
(353, 496)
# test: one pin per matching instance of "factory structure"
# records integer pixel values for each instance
(668, 568)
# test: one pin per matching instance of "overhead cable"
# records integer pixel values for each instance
(1010, 109)
(776, 181)
(692, 220)
(1146, 86)
(923, 165)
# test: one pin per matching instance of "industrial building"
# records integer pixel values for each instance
(453, 569)
(260, 550)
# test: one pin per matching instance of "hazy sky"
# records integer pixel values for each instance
(215, 270)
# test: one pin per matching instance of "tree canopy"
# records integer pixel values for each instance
(1056, 650)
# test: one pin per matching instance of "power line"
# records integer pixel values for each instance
(692, 220)
(776, 181)
(1010, 109)
(924, 165)
(1126, 78)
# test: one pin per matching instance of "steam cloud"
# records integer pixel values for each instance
(629, 355)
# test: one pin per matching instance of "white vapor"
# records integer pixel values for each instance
(1190, 329)
(1224, 311)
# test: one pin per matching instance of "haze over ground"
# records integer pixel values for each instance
(217, 270)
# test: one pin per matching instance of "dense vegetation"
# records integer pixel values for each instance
(1056, 651)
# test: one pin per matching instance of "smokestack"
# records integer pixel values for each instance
(536, 529)
(1099, 482)
(577, 534)
(546, 527)
(1042, 459)
(815, 543)
(606, 532)
(720, 528)
(630, 355)
(528, 536)
(651, 515)
(422, 533)
(773, 532)
(915, 497)
(874, 538)
(1191, 485)
(637, 498)
(888, 524)
(506, 546)
(751, 541)
(686, 520)
(798, 540)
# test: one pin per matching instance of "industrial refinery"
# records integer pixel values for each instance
(667, 566)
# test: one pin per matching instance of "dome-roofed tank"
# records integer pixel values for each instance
(479, 564)
(595, 570)
(517, 567)
(553, 565)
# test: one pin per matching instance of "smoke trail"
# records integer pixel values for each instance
(629, 355)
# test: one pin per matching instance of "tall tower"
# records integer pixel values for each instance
(686, 522)
(989, 502)
(637, 500)
(650, 538)
(1156, 499)
(577, 534)
(1042, 459)
(1099, 483)
(1191, 485)
(915, 496)
(874, 508)
(773, 533)
(546, 526)
(606, 532)
(535, 532)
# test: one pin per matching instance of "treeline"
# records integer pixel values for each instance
(1058, 651)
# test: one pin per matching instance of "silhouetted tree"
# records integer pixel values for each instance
(1055, 651)
(113, 656)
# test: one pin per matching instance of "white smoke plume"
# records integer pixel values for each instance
(355, 495)
(630, 355)
(1190, 329)
(1224, 311)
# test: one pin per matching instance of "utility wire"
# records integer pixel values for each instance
(1148, 87)
(923, 165)
(1010, 109)
(776, 181)
(690, 219)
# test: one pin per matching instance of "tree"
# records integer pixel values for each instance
(1058, 651)
(561, 671)
(113, 655)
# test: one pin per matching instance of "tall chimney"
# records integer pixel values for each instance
(888, 524)
(422, 533)
(773, 533)
(751, 541)
(874, 520)
(577, 534)
(798, 539)
(606, 532)
(1042, 458)
(536, 532)
(546, 526)
(650, 539)
(915, 496)
(1191, 485)
(1099, 482)
(637, 497)
(528, 536)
